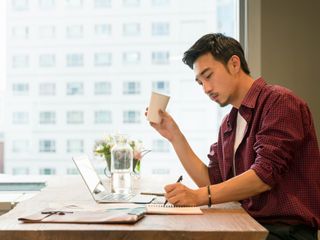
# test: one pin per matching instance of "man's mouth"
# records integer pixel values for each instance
(213, 96)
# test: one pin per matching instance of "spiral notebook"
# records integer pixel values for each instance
(171, 209)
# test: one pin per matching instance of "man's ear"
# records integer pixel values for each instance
(234, 64)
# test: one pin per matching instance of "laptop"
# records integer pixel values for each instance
(98, 190)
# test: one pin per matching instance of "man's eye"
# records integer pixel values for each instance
(207, 77)
(200, 83)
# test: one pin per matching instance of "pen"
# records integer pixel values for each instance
(179, 180)
(152, 193)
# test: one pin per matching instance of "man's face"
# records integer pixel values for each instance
(217, 80)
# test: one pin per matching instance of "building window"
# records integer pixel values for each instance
(47, 117)
(160, 145)
(75, 60)
(20, 171)
(75, 146)
(102, 59)
(102, 88)
(20, 61)
(160, 57)
(74, 117)
(47, 89)
(47, 60)
(161, 86)
(47, 32)
(75, 88)
(160, 3)
(46, 4)
(20, 5)
(72, 171)
(102, 3)
(20, 146)
(131, 57)
(74, 3)
(131, 117)
(102, 117)
(74, 31)
(20, 118)
(160, 29)
(102, 30)
(20, 32)
(131, 29)
(47, 171)
(131, 3)
(131, 88)
(20, 89)
(47, 146)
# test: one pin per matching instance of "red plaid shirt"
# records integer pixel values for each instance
(280, 145)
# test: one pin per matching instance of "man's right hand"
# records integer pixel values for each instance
(167, 126)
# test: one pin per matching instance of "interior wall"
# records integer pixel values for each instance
(290, 49)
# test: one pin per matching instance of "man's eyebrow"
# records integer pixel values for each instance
(203, 72)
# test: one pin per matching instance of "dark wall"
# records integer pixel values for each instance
(290, 48)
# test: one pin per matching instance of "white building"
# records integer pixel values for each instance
(80, 69)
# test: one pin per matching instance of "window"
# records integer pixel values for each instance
(47, 32)
(47, 117)
(131, 3)
(47, 89)
(74, 3)
(20, 32)
(160, 29)
(47, 171)
(74, 117)
(102, 117)
(75, 88)
(20, 146)
(20, 5)
(74, 31)
(20, 171)
(20, 118)
(21, 89)
(46, 4)
(131, 88)
(102, 88)
(131, 116)
(47, 60)
(75, 60)
(131, 29)
(160, 57)
(20, 61)
(102, 59)
(161, 86)
(102, 30)
(160, 145)
(75, 146)
(102, 3)
(47, 146)
(160, 3)
(131, 57)
(72, 171)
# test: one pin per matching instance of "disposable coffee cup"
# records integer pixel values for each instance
(157, 101)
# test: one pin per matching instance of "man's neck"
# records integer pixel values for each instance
(244, 84)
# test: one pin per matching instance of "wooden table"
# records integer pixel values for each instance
(223, 221)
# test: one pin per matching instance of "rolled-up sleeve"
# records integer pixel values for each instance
(281, 132)
(213, 167)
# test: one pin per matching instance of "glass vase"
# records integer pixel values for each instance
(121, 165)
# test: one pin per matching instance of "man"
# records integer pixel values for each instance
(267, 155)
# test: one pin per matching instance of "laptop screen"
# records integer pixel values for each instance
(88, 174)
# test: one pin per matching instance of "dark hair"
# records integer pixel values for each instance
(220, 46)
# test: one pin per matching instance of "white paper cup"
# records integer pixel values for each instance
(157, 101)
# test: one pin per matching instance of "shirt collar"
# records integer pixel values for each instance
(249, 101)
(251, 97)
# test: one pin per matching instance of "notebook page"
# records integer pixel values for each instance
(171, 209)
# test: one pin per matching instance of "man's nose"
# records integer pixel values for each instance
(206, 87)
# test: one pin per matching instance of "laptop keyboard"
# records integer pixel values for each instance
(118, 197)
